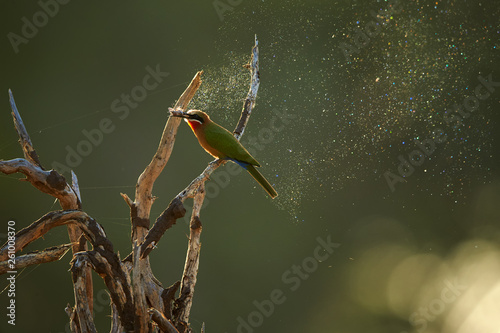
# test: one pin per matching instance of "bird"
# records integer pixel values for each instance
(221, 144)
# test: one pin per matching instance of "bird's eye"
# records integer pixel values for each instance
(200, 119)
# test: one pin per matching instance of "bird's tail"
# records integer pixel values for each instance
(262, 181)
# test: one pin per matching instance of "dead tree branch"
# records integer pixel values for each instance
(35, 258)
(185, 300)
(102, 259)
(147, 289)
(51, 220)
(139, 303)
(24, 139)
(50, 182)
(164, 324)
(173, 211)
(196, 190)
(82, 309)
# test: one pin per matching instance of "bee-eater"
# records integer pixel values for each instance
(221, 143)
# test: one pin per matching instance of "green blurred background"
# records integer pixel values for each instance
(421, 258)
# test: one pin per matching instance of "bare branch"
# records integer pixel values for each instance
(76, 188)
(164, 324)
(168, 296)
(116, 326)
(73, 319)
(166, 220)
(24, 139)
(138, 300)
(185, 300)
(35, 258)
(249, 103)
(107, 264)
(147, 289)
(144, 188)
(79, 273)
(39, 228)
(50, 182)
(162, 224)
(103, 260)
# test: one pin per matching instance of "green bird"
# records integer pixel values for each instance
(221, 143)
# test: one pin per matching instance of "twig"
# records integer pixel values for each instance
(49, 182)
(35, 258)
(249, 103)
(51, 220)
(76, 188)
(73, 319)
(164, 324)
(24, 139)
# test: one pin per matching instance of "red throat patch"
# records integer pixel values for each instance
(193, 124)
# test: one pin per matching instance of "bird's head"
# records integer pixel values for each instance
(194, 118)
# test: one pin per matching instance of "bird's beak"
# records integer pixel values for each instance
(178, 113)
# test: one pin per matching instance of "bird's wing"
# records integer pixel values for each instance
(224, 141)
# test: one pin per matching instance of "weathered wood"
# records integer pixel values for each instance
(139, 303)
(249, 102)
(39, 228)
(156, 232)
(35, 258)
(162, 322)
(79, 274)
(146, 288)
(168, 296)
(52, 183)
(102, 259)
(143, 194)
(184, 302)
(24, 138)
